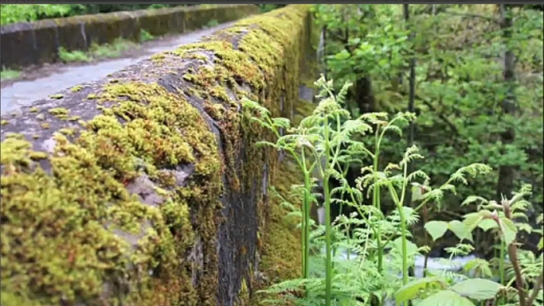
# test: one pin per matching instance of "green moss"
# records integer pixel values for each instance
(76, 88)
(281, 251)
(75, 252)
(98, 165)
(4, 122)
(267, 59)
(67, 132)
(216, 111)
(281, 258)
(56, 96)
(33, 109)
(59, 112)
(157, 58)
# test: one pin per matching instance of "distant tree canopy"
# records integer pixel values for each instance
(12, 13)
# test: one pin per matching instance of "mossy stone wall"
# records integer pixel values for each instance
(145, 188)
(35, 43)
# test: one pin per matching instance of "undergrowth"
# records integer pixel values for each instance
(8, 74)
(368, 255)
(114, 50)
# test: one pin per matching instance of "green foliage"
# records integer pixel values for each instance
(263, 8)
(112, 50)
(460, 88)
(12, 13)
(367, 251)
(73, 56)
(145, 36)
(212, 23)
(9, 74)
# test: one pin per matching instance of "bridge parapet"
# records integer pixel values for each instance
(144, 187)
(36, 43)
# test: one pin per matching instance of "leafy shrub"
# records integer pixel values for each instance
(379, 247)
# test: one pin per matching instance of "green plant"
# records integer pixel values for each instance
(113, 50)
(73, 56)
(212, 23)
(264, 8)
(489, 216)
(9, 74)
(378, 246)
(460, 90)
(145, 36)
(12, 13)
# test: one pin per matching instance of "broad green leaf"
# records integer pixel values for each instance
(446, 298)
(541, 244)
(509, 230)
(477, 288)
(411, 290)
(460, 230)
(487, 224)
(436, 229)
(472, 220)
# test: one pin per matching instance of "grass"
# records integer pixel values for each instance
(113, 50)
(145, 36)
(212, 23)
(9, 74)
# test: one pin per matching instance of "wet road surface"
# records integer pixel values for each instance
(25, 92)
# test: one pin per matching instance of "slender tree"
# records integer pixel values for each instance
(507, 172)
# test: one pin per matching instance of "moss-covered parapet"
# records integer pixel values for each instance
(145, 188)
(41, 40)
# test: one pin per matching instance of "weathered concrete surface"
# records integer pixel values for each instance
(145, 187)
(41, 40)
(25, 92)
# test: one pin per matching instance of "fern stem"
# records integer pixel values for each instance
(376, 203)
(502, 251)
(305, 219)
(306, 228)
(328, 263)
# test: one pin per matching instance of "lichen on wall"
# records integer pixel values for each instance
(145, 187)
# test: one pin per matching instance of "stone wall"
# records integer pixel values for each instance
(35, 43)
(145, 187)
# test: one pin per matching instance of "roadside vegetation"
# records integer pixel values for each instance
(97, 52)
(9, 74)
(13, 13)
(429, 140)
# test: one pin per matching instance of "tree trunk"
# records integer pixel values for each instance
(507, 173)
(412, 92)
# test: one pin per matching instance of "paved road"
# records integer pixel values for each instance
(25, 92)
